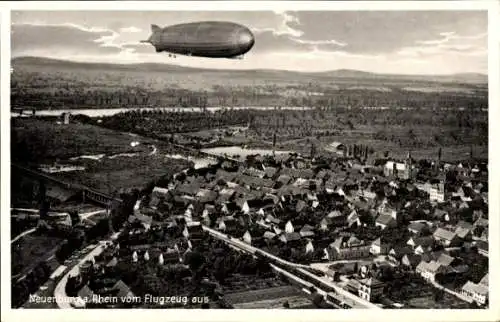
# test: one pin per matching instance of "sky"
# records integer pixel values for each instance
(393, 42)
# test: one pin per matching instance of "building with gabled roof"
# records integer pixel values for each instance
(475, 292)
(385, 221)
(445, 237)
(289, 237)
(370, 289)
(429, 270)
(86, 294)
(380, 246)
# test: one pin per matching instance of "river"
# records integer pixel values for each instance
(242, 153)
(113, 111)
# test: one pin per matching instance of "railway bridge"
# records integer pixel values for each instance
(87, 192)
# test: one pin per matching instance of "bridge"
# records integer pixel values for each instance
(200, 154)
(87, 192)
(22, 110)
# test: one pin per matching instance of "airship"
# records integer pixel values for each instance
(212, 39)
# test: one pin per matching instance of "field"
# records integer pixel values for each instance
(417, 294)
(30, 250)
(46, 141)
(48, 84)
(422, 132)
(295, 302)
(427, 302)
(111, 175)
(115, 163)
(268, 298)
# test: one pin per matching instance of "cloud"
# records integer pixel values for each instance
(131, 29)
(383, 32)
(287, 37)
(64, 39)
(449, 43)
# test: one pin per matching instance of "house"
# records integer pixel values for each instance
(301, 205)
(481, 222)
(289, 227)
(170, 256)
(446, 260)
(437, 192)
(411, 260)
(123, 292)
(309, 247)
(158, 196)
(337, 148)
(421, 245)
(476, 292)
(284, 180)
(397, 169)
(353, 219)
(290, 238)
(142, 220)
(270, 172)
(247, 238)
(397, 253)
(482, 247)
(484, 281)
(272, 220)
(353, 286)
(417, 228)
(193, 230)
(363, 193)
(307, 231)
(441, 214)
(429, 270)
(325, 224)
(445, 237)
(379, 247)
(385, 221)
(348, 248)
(229, 207)
(269, 235)
(336, 218)
(254, 172)
(225, 195)
(228, 224)
(323, 175)
(370, 289)
(464, 230)
(190, 189)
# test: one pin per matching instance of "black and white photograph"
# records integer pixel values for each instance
(249, 158)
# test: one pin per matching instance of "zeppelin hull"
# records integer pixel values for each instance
(204, 39)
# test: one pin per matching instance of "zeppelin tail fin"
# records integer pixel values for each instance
(155, 28)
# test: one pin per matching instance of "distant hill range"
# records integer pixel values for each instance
(257, 74)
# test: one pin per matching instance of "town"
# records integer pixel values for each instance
(343, 229)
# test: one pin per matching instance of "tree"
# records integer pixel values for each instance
(75, 218)
(438, 295)
(195, 260)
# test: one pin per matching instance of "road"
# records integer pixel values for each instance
(341, 294)
(60, 290)
(32, 230)
(24, 233)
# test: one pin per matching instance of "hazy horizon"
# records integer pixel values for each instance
(236, 70)
(384, 42)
